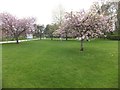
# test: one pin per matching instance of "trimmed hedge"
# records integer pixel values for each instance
(113, 37)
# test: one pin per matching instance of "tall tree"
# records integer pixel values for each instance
(39, 30)
(50, 28)
(118, 18)
(58, 14)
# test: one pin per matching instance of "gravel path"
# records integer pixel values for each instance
(15, 41)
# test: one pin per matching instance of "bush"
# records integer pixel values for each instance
(113, 37)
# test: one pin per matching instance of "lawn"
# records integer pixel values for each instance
(60, 64)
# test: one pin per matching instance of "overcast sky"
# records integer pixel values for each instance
(41, 9)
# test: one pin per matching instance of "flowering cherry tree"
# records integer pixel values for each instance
(65, 29)
(86, 25)
(14, 26)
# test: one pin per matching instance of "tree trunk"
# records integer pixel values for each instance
(17, 42)
(40, 37)
(51, 37)
(66, 36)
(81, 49)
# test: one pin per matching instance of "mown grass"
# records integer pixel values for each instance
(60, 64)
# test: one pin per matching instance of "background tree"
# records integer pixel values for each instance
(58, 17)
(39, 30)
(0, 31)
(58, 14)
(118, 18)
(46, 30)
(108, 8)
(50, 28)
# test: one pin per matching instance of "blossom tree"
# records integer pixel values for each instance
(14, 26)
(88, 24)
(65, 29)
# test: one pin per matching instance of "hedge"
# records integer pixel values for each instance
(113, 37)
